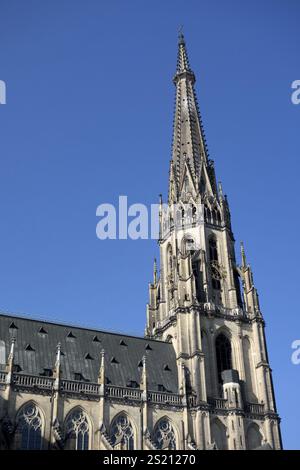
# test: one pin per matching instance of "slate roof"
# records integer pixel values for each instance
(36, 343)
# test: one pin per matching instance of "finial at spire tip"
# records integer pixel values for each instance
(244, 261)
(154, 271)
(180, 35)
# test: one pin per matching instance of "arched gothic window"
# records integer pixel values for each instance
(198, 275)
(213, 250)
(182, 217)
(218, 435)
(223, 352)
(208, 371)
(29, 428)
(213, 256)
(121, 434)
(164, 435)
(214, 216)
(77, 430)
(170, 259)
(194, 214)
(207, 214)
(254, 437)
(189, 214)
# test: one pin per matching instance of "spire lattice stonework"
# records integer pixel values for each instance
(189, 148)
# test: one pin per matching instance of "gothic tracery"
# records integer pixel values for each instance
(164, 435)
(29, 428)
(77, 430)
(122, 433)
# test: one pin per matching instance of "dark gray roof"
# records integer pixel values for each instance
(36, 343)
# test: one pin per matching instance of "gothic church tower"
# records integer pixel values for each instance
(203, 301)
(199, 379)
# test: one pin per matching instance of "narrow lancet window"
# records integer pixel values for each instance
(223, 353)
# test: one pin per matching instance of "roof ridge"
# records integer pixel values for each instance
(54, 321)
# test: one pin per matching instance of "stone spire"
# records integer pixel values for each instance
(189, 150)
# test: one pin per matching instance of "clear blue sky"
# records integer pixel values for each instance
(89, 117)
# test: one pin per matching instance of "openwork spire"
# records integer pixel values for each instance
(189, 148)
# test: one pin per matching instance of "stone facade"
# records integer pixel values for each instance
(199, 379)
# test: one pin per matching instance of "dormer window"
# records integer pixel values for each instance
(132, 384)
(70, 336)
(89, 357)
(78, 376)
(42, 331)
(47, 373)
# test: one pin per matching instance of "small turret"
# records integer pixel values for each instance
(56, 370)
(155, 272)
(144, 381)
(244, 262)
(10, 361)
(101, 375)
(250, 293)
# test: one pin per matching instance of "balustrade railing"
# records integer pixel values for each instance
(92, 389)
(73, 386)
(165, 398)
(220, 310)
(255, 408)
(113, 391)
(218, 403)
(33, 381)
(3, 377)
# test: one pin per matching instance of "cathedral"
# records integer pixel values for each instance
(200, 377)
